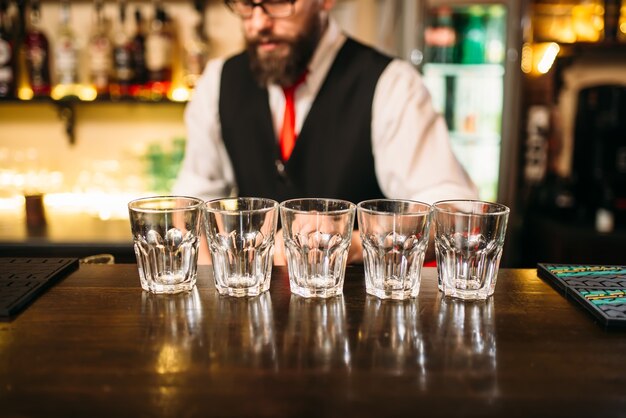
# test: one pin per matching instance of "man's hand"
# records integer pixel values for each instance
(355, 255)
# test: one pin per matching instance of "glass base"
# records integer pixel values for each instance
(311, 292)
(242, 285)
(241, 291)
(467, 294)
(391, 294)
(159, 288)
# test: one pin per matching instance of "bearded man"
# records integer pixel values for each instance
(307, 111)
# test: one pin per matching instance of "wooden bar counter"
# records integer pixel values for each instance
(97, 345)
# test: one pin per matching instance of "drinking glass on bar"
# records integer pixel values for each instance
(469, 236)
(317, 234)
(240, 233)
(166, 233)
(395, 236)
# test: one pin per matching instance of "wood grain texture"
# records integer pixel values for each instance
(97, 345)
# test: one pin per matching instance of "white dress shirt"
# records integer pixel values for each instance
(412, 152)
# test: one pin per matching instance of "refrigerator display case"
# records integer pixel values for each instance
(468, 54)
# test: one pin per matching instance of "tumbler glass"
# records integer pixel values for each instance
(469, 237)
(395, 237)
(240, 233)
(317, 234)
(166, 233)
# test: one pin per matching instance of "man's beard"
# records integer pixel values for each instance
(284, 70)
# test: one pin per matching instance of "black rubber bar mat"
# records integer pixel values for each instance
(600, 290)
(22, 280)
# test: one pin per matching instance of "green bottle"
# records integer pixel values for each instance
(495, 35)
(474, 37)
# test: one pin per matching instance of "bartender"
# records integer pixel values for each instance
(307, 111)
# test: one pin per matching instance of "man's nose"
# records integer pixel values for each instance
(260, 20)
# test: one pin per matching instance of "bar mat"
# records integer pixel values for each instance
(600, 290)
(22, 280)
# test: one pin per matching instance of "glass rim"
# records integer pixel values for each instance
(132, 205)
(428, 207)
(351, 206)
(274, 205)
(501, 209)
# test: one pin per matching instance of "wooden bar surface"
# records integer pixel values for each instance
(97, 345)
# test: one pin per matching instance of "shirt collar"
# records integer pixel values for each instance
(325, 54)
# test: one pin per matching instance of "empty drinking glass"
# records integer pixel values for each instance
(395, 236)
(469, 236)
(240, 234)
(166, 234)
(317, 234)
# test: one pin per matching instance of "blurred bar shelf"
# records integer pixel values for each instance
(464, 70)
(66, 107)
(70, 228)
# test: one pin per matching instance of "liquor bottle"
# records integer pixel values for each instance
(196, 49)
(36, 49)
(122, 57)
(7, 54)
(100, 53)
(66, 57)
(474, 37)
(159, 55)
(138, 51)
(621, 34)
(440, 37)
(611, 19)
(495, 35)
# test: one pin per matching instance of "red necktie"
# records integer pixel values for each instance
(288, 134)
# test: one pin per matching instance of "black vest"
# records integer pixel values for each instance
(333, 155)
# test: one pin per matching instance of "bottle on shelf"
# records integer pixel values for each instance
(8, 56)
(621, 33)
(37, 54)
(65, 57)
(138, 51)
(495, 35)
(159, 55)
(196, 50)
(611, 20)
(122, 57)
(474, 37)
(100, 51)
(440, 37)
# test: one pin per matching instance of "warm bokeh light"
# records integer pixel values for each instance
(547, 58)
(526, 63)
(568, 22)
(25, 93)
(87, 93)
(588, 22)
(104, 206)
(537, 59)
(180, 94)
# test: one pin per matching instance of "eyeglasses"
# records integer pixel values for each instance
(272, 8)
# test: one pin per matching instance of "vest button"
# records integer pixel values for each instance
(280, 169)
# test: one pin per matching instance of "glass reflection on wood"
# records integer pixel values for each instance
(242, 332)
(316, 334)
(390, 337)
(465, 337)
(175, 321)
